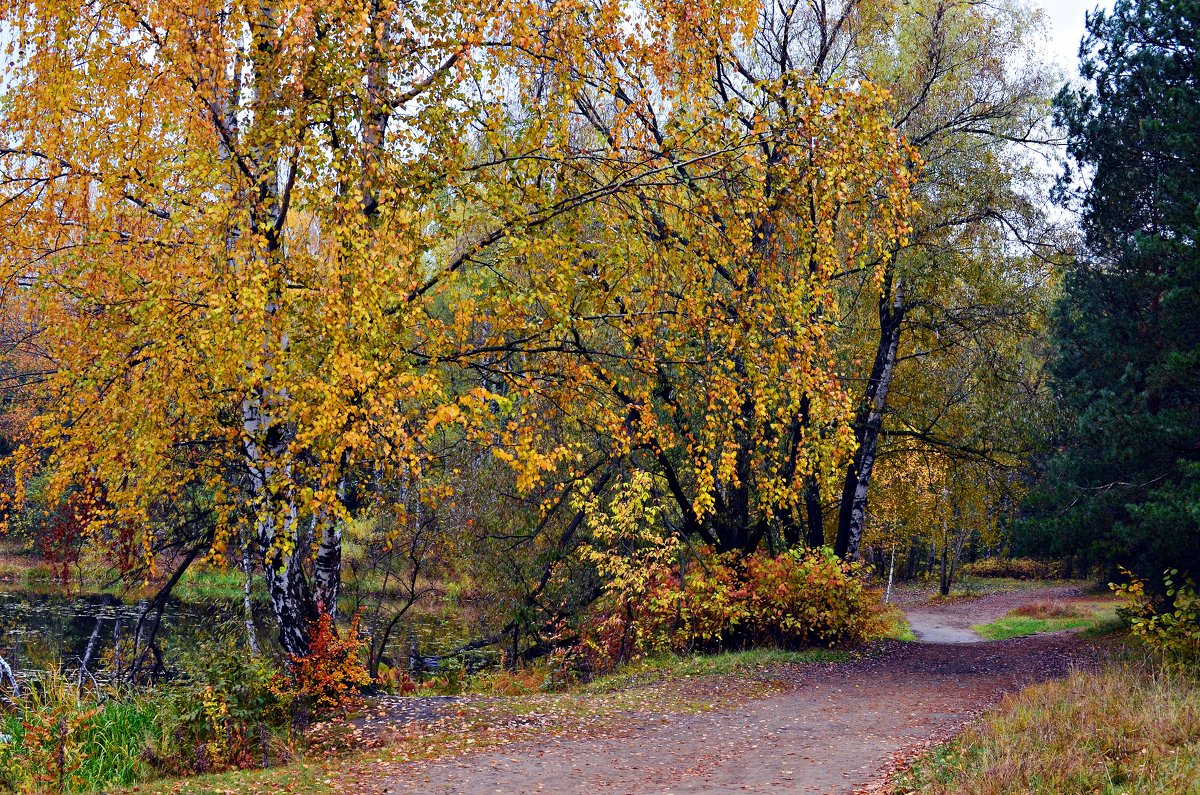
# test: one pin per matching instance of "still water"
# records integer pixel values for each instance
(43, 630)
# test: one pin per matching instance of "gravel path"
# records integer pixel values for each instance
(831, 731)
(833, 728)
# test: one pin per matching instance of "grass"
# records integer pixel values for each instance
(301, 777)
(898, 626)
(724, 664)
(1133, 727)
(112, 745)
(1038, 617)
(901, 630)
(210, 584)
(97, 745)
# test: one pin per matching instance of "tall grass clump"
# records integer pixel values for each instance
(1133, 727)
(59, 737)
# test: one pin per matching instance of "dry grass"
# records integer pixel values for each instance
(1051, 609)
(1132, 728)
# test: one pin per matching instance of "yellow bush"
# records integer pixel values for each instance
(716, 602)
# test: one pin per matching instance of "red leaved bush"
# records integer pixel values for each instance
(328, 680)
(810, 597)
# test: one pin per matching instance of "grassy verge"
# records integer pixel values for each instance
(1133, 727)
(301, 777)
(898, 626)
(658, 686)
(1094, 617)
(689, 667)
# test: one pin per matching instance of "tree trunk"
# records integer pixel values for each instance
(812, 509)
(887, 596)
(960, 540)
(7, 674)
(248, 603)
(869, 423)
(277, 524)
(291, 600)
(327, 577)
(944, 579)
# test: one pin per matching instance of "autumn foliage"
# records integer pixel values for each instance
(721, 601)
(328, 681)
(1169, 624)
(321, 252)
(429, 278)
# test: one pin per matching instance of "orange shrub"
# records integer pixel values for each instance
(807, 597)
(796, 599)
(329, 679)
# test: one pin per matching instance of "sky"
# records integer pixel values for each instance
(1065, 22)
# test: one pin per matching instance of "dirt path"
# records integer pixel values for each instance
(951, 621)
(831, 729)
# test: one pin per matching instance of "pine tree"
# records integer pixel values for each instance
(1124, 484)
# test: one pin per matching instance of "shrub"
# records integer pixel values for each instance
(1171, 628)
(219, 713)
(330, 678)
(807, 597)
(796, 599)
(1016, 568)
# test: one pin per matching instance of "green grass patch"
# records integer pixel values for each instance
(1093, 617)
(112, 745)
(901, 630)
(299, 777)
(1133, 727)
(1103, 626)
(1019, 626)
(895, 621)
(726, 663)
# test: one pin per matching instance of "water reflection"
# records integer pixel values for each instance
(40, 630)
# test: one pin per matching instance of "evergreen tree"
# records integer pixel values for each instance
(1123, 486)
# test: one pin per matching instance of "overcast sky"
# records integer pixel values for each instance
(1065, 21)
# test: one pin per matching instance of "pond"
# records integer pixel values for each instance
(40, 630)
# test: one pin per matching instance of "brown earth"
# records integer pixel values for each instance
(950, 621)
(834, 728)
